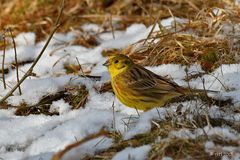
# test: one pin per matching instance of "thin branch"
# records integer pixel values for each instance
(3, 61)
(16, 60)
(90, 137)
(80, 66)
(57, 25)
(111, 25)
(150, 33)
(152, 18)
(174, 19)
(114, 118)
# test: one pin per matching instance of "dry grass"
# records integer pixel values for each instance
(204, 39)
(43, 107)
(38, 15)
(186, 49)
(176, 148)
(175, 44)
(180, 149)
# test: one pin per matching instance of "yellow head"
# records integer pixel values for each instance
(117, 64)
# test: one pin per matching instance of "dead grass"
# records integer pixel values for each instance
(43, 107)
(186, 49)
(76, 96)
(203, 39)
(175, 44)
(180, 149)
(162, 145)
(38, 15)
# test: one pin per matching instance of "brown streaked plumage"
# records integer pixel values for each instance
(140, 88)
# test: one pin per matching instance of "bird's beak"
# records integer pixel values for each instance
(106, 63)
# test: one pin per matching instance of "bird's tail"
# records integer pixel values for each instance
(190, 91)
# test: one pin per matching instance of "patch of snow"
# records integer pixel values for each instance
(167, 158)
(107, 37)
(133, 34)
(41, 156)
(144, 123)
(223, 152)
(25, 39)
(139, 153)
(223, 132)
(60, 106)
(91, 27)
(169, 21)
(60, 38)
(237, 2)
(175, 71)
(24, 53)
(34, 89)
(72, 129)
(88, 149)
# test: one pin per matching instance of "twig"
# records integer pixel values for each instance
(80, 67)
(160, 36)
(16, 60)
(137, 112)
(114, 118)
(216, 78)
(149, 34)
(151, 16)
(7, 85)
(3, 61)
(60, 59)
(174, 19)
(57, 25)
(111, 25)
(123, 17)
(60, 154)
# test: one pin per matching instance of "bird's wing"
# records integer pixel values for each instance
(143, 79)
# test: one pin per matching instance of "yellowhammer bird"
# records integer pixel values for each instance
(140, 88)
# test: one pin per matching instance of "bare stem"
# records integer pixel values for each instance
(57, 25)
(3, 61)
(111, 24)
(80, 66)
(16, 60)
(90, 137)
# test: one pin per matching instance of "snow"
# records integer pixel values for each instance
(237, 2)
(144, 123)
(90, 27)
(40, 136)
(169, 21)
(139, 153)
(223, 132)
(34, 89)
(89, 148)
(127, 38)
(60, 106)
(166, 158)
(225, 153)
(25, 39)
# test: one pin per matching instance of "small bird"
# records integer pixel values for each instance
(139, 88)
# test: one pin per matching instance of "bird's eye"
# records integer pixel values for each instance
(116, 61)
